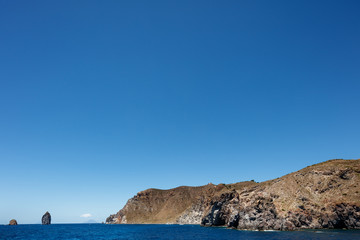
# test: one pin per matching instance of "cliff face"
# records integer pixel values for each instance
(46, 219)
(325, 195)
(178, 205)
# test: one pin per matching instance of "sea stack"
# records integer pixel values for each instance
(13, 222)
(46, 219)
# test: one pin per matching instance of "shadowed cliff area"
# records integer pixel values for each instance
(324, 195)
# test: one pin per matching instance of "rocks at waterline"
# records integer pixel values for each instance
(46, 219)
(13, 222)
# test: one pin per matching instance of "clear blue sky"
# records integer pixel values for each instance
(102, 99)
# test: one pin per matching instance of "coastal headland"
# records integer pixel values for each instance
(321, 196)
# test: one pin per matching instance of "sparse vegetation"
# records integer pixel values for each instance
(310, 189)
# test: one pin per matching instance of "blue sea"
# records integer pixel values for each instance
(161, 232)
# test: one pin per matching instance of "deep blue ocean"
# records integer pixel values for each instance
(191, 232)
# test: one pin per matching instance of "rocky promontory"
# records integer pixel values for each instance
(46, 219)
(324, 195)
(13, 222)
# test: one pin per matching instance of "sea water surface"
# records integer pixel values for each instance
(161, 232)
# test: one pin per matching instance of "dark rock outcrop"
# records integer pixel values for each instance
(46, 219)
(13, 222)
(262, 215)
(221, 210)
(111, 219)
(259, 214)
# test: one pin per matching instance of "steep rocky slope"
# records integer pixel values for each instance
(166, 206)
(325, 195)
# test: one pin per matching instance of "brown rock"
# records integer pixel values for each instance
(13, 222)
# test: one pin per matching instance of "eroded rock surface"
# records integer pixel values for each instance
(262, 214)
(46, 219)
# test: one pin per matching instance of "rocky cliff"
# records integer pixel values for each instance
(325, 195)
(46, 219)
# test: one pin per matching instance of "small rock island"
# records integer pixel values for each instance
(46, 219)
(13, 222)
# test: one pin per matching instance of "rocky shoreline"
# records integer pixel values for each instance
(262, 214)
(322, 196)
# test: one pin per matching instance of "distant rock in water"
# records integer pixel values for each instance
(324, 195)
(91, 221)
(46, 219)
(13, 222)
